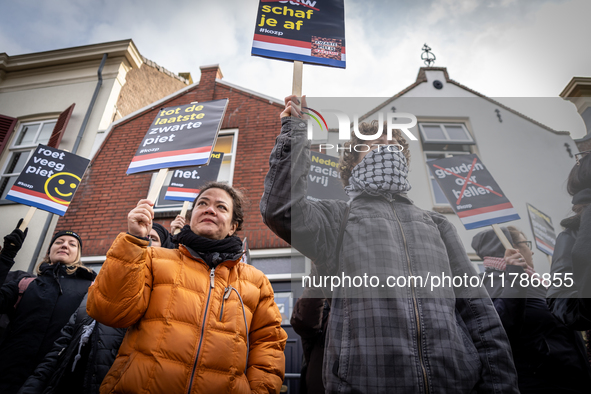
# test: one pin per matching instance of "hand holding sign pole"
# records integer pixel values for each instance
(473, 193)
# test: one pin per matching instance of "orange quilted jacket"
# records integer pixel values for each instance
(192, 329)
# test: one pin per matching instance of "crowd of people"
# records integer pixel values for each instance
(184, 313)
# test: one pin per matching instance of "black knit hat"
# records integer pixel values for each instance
(487, 243)
(65, 232)
(164, 235)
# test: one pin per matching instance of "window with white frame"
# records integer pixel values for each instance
(226, 143)
(443, 140)
(27, 138)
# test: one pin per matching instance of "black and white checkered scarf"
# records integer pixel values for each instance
(380, 173)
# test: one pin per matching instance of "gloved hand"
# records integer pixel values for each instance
(14, 241)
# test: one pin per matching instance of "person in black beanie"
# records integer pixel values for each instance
(161, 237)
(39, 307)
(571, 261)
(86, 349)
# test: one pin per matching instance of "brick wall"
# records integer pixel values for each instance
(145, 85)
(584, 145)
(105, 196)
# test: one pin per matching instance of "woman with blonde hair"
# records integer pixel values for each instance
(38, 307)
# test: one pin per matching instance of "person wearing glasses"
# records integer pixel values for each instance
(570, 301)
(549, 356)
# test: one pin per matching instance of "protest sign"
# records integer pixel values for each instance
(309, 31)
(186, 182)
(324, 181)
(180, 136)
(472, 192)
(543, 230)
(49, 180)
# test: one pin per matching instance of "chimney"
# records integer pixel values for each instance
(207, 82)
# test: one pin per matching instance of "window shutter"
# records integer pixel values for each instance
(60, 127)
(6, 128)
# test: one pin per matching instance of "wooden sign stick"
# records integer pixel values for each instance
(296, 87)
(155, 189)
(502, 236)
(183, 214)
(184, 209)
(27, 218)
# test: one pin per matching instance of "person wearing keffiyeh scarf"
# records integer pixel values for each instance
(382, 339)
(549, 356)
(381, 172)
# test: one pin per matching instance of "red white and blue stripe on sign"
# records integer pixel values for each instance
(179, 158)
(38, 200)
(544, 247)
(181, 194)
(480, 217)
(283, 48)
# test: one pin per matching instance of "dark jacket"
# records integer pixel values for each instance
(55, 375)
(44, 309)
(388, 339)
(571, 259)
(309, 320)
(549, 356)
(5, 317)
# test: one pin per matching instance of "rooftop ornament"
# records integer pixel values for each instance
(427, 56)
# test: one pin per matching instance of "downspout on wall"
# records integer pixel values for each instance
(74, 150)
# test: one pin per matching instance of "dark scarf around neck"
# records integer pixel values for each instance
(212, 251)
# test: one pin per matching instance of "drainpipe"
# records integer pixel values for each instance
(74, 150)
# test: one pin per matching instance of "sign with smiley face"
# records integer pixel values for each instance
(49, 180)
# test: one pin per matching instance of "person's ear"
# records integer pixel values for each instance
(233, 228)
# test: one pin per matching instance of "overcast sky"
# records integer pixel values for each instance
(500, 48)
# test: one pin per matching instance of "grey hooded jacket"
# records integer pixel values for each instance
(382, 339)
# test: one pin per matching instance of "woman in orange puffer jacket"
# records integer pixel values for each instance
(200, 320)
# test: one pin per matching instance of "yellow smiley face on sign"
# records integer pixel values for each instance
(61, 186)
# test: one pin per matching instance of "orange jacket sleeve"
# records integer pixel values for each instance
(266, 361)
(121, 292)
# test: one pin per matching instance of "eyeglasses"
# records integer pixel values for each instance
(579, 156)
(528, 243)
